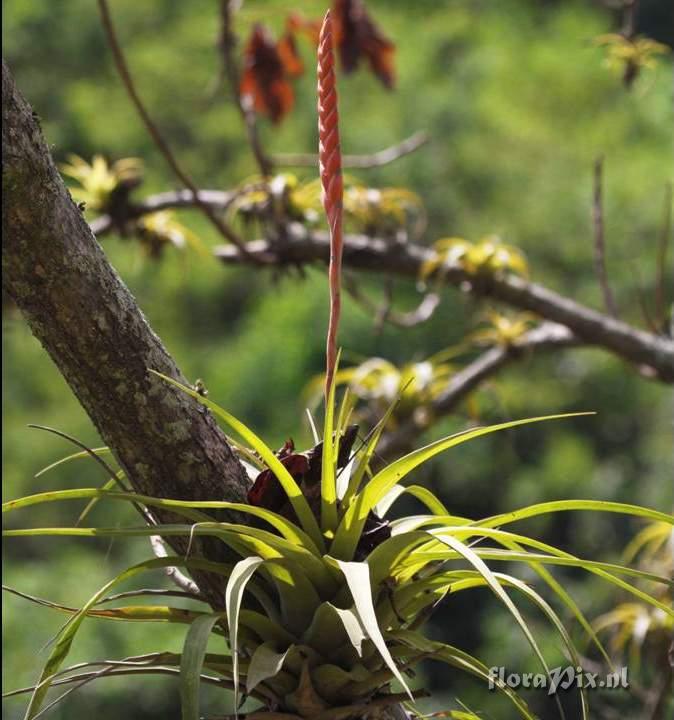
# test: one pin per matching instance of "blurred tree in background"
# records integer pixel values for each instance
(518, 105)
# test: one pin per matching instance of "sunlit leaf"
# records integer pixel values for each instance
(358, 579)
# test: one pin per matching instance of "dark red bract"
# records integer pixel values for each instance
(264, 77)
(358, 37)
(305, 468)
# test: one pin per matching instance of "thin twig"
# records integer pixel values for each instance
(599, 246)
(227, 45)
(180, 579)
(216, 199)
(630, 18)
(157, 137)
(386, 308)
(362, 252)
(664, 241)
(420, 314)
(361, 162)
(641, 297)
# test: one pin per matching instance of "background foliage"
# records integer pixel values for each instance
(518, 105)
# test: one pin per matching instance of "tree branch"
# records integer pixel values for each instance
(361, 162)
(215, 199)
(653, 354)
(599, 245)
(546, 337)
(385, 313)
(153, 130)
(92, 328)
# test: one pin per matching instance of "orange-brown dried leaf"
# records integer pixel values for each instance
(297, 24)
(358, 37)
(264, 77)
(287, 50)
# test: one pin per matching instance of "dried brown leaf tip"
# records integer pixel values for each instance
(358, 37)
(264, 80)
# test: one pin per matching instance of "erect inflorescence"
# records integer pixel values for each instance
(330, 168)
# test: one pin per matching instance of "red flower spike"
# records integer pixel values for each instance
(330, 168)
(357, 35)
(264, 78)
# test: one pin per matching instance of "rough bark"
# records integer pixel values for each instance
(91, 326)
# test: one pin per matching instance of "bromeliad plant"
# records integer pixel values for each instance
(488, 256)
(377, 383)
(102, 184)
(326, 597)
(326, 602)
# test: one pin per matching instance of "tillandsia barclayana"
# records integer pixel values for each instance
(318, 625)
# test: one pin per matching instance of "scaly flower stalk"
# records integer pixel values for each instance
(330, 168)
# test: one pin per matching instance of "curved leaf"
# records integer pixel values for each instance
(349, 530)
(181, 507)
(192, 661)
(422, 494)
(241, 574)
(264, 663)
(358, 579)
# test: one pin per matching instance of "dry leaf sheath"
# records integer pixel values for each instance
(329, 160)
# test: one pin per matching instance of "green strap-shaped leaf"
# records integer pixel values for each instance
(241, 573)
(358, 579)
(424, 495)
(500, 593)
(328, 465)
(331, 627)
(392, 552)
(108, 485)
(127, 613)
(64, 642)
(191, 663)
(564, 505)
(244, 539)
(353, 628)
(100, 451)
(288, 530)
(291, 488)
(297, 595)
(475, 579)
(461, 660)
(349, 530)
(366, 455)
(264, 664)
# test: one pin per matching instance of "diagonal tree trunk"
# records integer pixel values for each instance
(90, 324)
